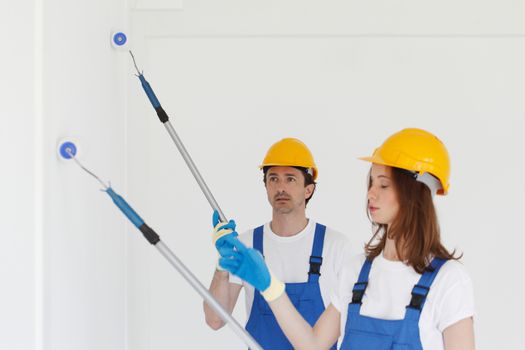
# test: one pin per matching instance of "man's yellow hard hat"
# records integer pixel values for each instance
(290, 152)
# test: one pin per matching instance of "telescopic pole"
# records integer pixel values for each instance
(164, 119)
(67, 150)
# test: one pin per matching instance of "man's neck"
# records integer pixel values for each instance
(286, 225)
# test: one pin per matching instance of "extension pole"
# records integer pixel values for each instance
(164, 119)
(193, 168)
(153, 238)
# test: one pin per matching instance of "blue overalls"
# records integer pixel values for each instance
(306, 297)
(363, 332)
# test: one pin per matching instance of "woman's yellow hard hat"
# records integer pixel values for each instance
(416, 150)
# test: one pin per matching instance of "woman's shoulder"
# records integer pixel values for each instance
(452, 282)
(352, 266)
(451, 296)
(453, 272)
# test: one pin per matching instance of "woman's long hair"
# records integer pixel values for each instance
(415, 230)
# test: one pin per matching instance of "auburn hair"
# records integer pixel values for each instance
(415, 230)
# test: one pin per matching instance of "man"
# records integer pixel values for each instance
(305, 255)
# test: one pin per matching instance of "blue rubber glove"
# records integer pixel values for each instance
(221, 230)
(248, 264)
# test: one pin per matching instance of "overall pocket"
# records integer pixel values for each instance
(360, 340)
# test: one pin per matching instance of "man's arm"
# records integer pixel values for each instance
(223, 291)
(226, 294)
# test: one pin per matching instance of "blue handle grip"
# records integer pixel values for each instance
(149, 92)
(125, 208)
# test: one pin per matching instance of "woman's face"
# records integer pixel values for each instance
(382, 198)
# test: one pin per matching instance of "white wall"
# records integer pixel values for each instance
(63, 251)
(17, 135)
(235, 76)
(84, 248)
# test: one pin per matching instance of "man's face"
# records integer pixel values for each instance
(285, 189)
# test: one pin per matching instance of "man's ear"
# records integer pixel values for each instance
(309, 190)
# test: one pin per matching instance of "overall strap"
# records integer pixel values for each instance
(316, 258)
(362, 282)
(257, 245)
(421, 289)
(258, 239)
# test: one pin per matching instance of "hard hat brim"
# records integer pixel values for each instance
(381, 161)
(314, 169)
(375, 159)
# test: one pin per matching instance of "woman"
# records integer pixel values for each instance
(407, 291)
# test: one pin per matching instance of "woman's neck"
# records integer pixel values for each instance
(390, 252)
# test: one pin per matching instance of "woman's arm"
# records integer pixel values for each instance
(460, 335)
(302, 336)
(249, 265)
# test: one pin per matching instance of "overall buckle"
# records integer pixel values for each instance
(315, 265)
(417, 300)
(358, 293)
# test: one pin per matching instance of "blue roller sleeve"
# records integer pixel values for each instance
(149, 91)
(125, 208)
(120, 39)
(68, 145)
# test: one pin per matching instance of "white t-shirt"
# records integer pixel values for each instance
(449, 300)
(288, 258)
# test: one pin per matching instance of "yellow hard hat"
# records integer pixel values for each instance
(415, 150)
(290, 152)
